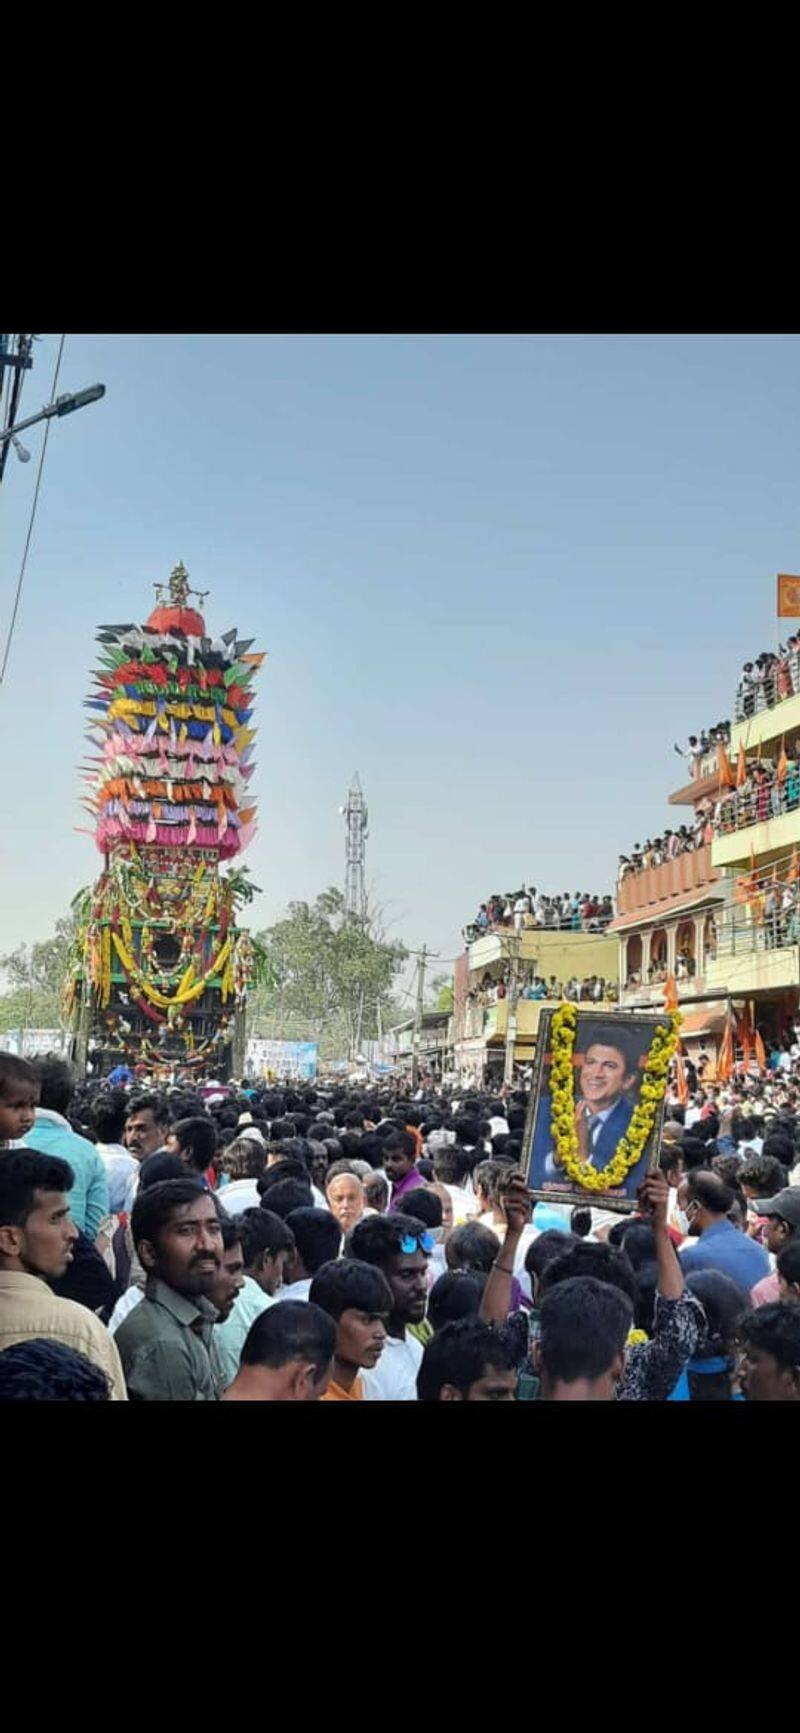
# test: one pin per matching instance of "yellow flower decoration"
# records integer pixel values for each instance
(631, 1147)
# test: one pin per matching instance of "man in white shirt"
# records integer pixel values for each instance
(317, 1240)
(400, 1247)
(109, 1114)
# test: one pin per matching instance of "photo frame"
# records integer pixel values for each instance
(618, 1044)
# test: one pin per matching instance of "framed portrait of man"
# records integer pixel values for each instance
(609, 1057)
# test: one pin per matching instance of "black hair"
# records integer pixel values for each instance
(456, 1294)
(584, 1325)
(645, 1302)
(593, 1034)
(710, 1192)
(763, 1173)
(378, 1239)
(729, 1169)
(263, 1232)
(317, 1236)
(460, 1354)
(14, 1071)
(159, 1166)
(789, 1260)
(580, 1221)
(669, 1155)
(288, 1195)
(400, 1140)
(231, 1230)
(290, 1330)
(108, 1113)
(56, 1079)
(23, 1172)
(425, 1205)
(198, 1137)
(639, 1243)
(149, 1102)
(346, 1284)
(604, 1263)
(280, 1171)
(426, 1168)
(775, 1329)
(724, 1303)
(544, 1250)
(155, 1207)
(450, 1164)
(694, 1153)
(472, 1246)
(486, 1176)
(40, 1370)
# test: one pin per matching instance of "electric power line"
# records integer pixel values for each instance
(32, 518)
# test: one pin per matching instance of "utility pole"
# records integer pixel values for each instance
(423, 956)
(513, 998)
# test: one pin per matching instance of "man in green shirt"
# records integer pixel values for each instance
(165, 1341)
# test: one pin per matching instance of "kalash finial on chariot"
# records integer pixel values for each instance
(161, 968)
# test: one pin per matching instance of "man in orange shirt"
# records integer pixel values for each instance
(358, 1298)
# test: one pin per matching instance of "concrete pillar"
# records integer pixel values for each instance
(672, 934)
(699, 944)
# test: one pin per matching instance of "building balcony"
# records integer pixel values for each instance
(663, 889)
(652, 992)
(547, 951)
(766, 723)
(773, 835)
(744, 973)
(529, 1011)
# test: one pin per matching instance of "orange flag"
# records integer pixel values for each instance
(782, 767)
(741, 767)
(758, 1050)
(681, 1084)
(670, 994)
(726, 776)
(794, 868)
(726, 1055)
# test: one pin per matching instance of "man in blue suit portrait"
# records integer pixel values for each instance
(603, 1111)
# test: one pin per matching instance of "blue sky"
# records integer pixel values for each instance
(497, 575)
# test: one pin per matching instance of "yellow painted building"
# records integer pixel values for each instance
(481, 1026)
(758, 956)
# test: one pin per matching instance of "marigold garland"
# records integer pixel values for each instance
(631, 1147)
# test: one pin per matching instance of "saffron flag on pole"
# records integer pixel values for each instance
(725, 1058)
(758, 1047)
(741, 767)
(782, 767)
(794, 868)
(788, 596)
(726, 776)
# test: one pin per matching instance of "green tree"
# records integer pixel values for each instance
(440, 994)
(35, 976)
(328, 979)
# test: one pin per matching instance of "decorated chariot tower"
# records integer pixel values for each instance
(161, 967)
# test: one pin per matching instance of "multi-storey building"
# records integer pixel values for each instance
(667, 917)
(498, 967)
(755, 850)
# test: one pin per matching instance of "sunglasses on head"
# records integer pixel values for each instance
(421, 1242)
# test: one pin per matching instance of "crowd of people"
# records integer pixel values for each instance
(527, 909)
(657, 850)
(251, 1242)
(494, 987)
(699, 746)
(773, 675)
(768, 790)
